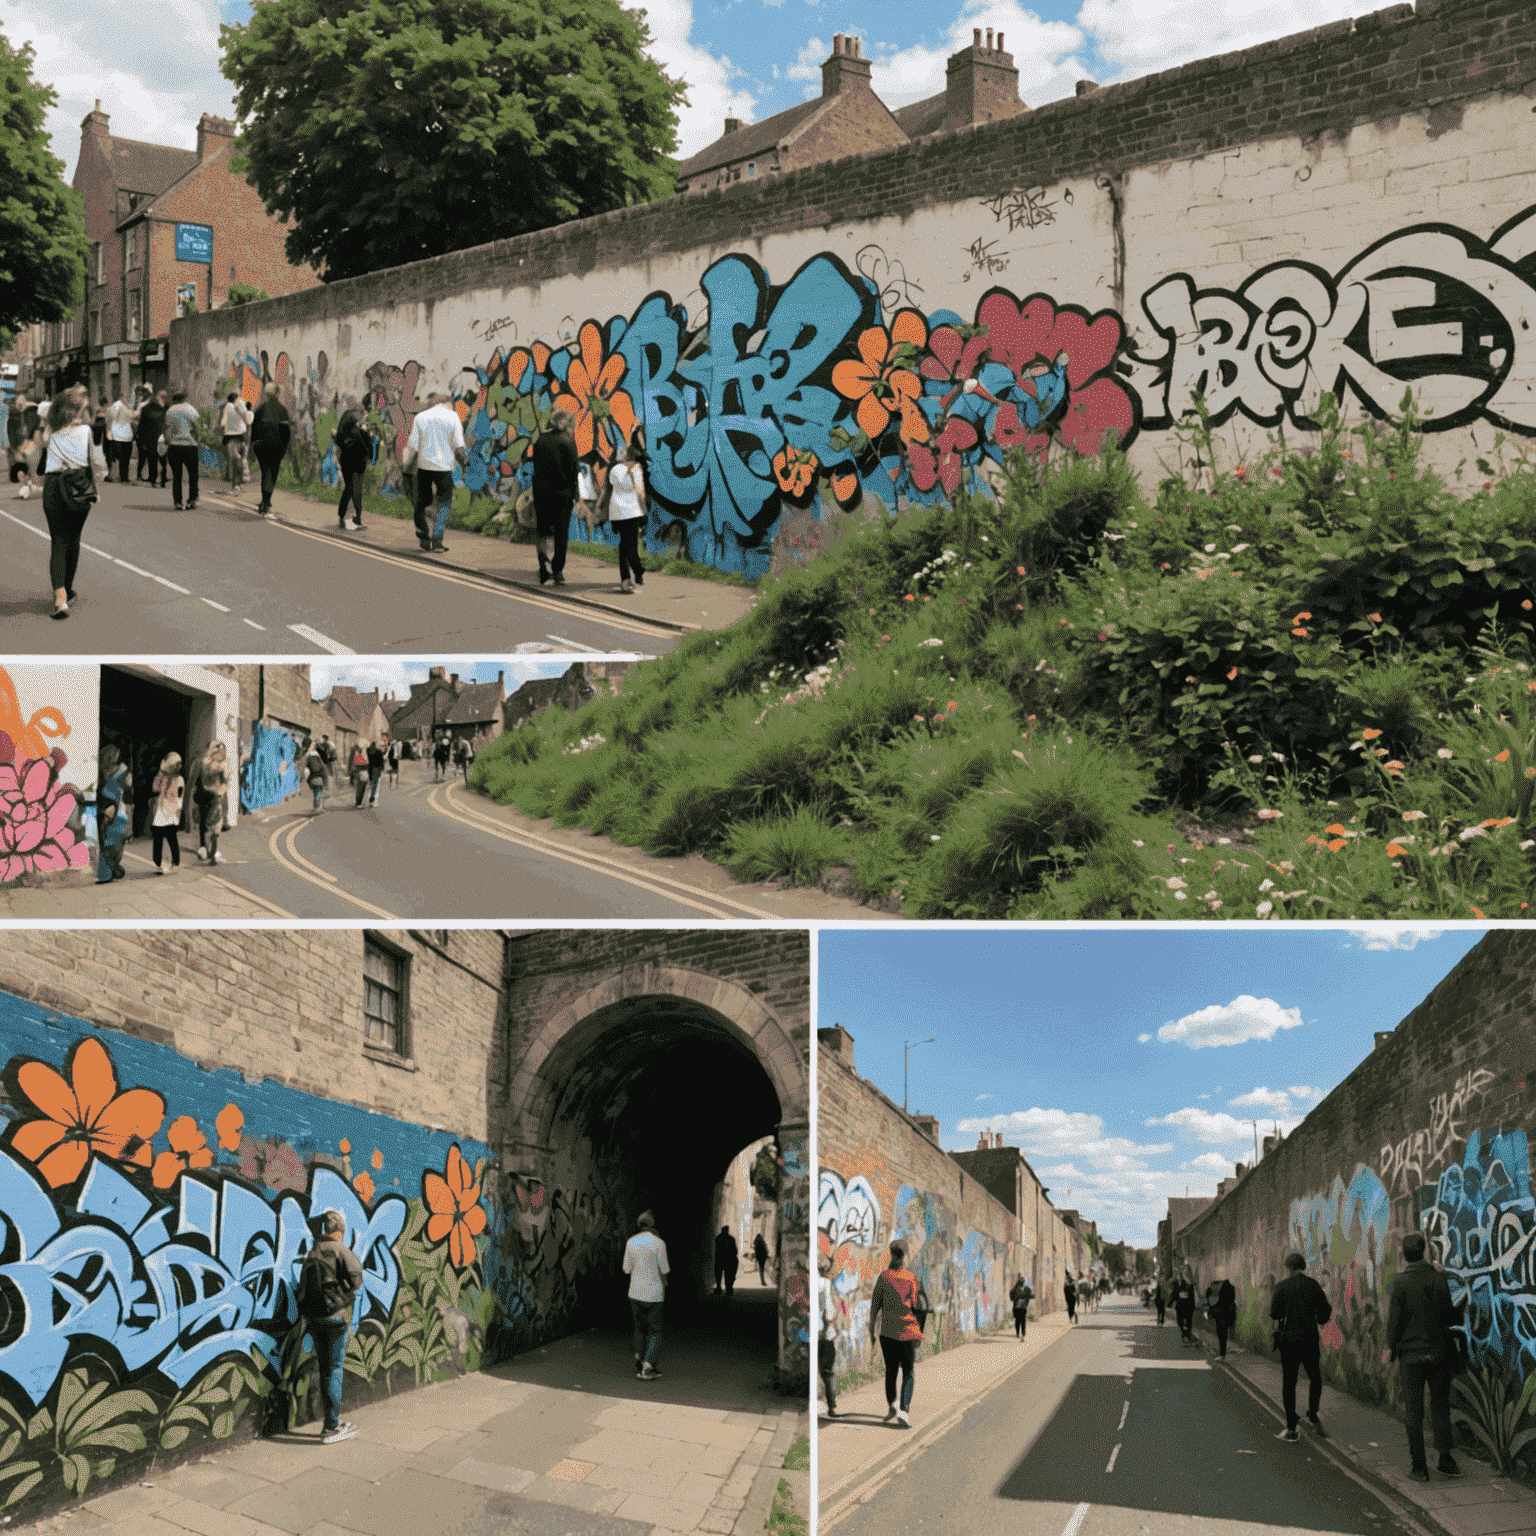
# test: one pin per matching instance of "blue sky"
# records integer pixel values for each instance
(155, 67)
(1128, 1064)
(397, 676)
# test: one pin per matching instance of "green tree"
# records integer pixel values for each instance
(765, 1173)
(43, 246)
(1144, 1263)
(243, 293)
(390, 132)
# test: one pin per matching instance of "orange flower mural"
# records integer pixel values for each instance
(229, 1122)
(794, 469)
(189, 1149)
(84, 1115)
(591, 394)
(457, 1214)
(363, 1184)
(879, 382)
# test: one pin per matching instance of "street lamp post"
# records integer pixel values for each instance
(906, 1052)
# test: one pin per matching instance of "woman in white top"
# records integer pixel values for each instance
(627, 506)
(166, 814)
(69, 448)
(119, 444)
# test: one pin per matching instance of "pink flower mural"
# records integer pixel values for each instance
(35, 814)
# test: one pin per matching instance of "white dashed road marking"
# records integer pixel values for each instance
(253, 624)
(1114, 1456)
(212, 604)
(1125, 1413)
(335, 647)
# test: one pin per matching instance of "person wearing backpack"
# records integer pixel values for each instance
(331, 1279)
(354, 452)
(234, 427)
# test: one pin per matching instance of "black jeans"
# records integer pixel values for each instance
(1415, 1376)
(1293, 1356)
(351, 491)
(1186, 1317)
(162, 836)
(629, 548)
(1222, 1325)
(117, 453)
(149, 459)
(554, 524)
(829, 1386)
(64, 530)
(210, 822)
(900, 1355)
(646, 1316)
(433, 486)
(183, 458)
(1020, 1322)
(269, 459)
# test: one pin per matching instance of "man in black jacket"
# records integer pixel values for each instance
(1224, 1313)
(332, 1278)
(554, 494)
(1419, 1323)
(271, 429)
(1299, 1307)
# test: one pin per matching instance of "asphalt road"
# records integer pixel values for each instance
(220, 581)
(437, 850)
(1117, 1429)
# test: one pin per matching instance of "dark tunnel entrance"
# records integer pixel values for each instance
(644, 1105)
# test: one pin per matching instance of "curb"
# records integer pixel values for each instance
(551, 591)
(754, 1513)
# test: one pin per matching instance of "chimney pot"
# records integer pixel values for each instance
(999, 42)
(976, 37)
(989, 37)
(732, 124)
(837, 43)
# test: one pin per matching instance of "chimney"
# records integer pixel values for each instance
(501, 677)
(981, 84)
(213, 133)
(1087, 87)
(1270, 1143)
(847, 69)
(1382, 1036)
(95, 125)
(733, 125)
(435, 672)
(453, 677)
(985, 1142)
(928, 1126)
(839, 1042)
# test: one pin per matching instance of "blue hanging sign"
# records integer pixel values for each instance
(194, 242)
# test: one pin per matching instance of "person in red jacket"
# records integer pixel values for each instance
(893, 1320)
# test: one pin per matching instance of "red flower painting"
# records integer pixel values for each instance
(35, 811)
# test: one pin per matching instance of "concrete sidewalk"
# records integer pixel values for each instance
(482, 1454)
(856, 1450)
(682, 603)
(195, 892)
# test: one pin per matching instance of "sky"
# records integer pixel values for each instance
(1127, 1064)
(397, 676)
(155, 68)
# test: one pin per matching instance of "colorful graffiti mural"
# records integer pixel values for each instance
(272, 773)
(151, 1240)
(42, 828)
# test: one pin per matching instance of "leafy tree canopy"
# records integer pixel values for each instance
(386, 132)
(43, 246)
(244, 293)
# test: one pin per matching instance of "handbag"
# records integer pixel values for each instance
(921, 1309)
(78, 489)
(586, 483)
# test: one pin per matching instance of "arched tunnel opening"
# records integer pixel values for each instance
(643, 1105)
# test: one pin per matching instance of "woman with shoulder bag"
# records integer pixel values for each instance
(165, 813)
(69, 489)
(624, 504)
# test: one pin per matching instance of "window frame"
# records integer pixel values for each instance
(401, 959)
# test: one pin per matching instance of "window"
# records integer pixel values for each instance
(95, 327)
(99, 261)
(133, 314)
(386, 996)
(132, 237)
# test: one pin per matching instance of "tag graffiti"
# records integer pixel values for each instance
(1407, 1163)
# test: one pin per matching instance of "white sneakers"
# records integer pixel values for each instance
(902, 1419)
(354, 526)
(24, 493)
(343, 1431)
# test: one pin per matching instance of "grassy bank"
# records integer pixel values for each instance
(1301, 688)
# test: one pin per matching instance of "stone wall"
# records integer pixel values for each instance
(1428, 1133)
(1346, 209)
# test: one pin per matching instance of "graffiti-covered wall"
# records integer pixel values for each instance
(880, 1178)
(1428, 1134)
(154, 1213)
(884, 329)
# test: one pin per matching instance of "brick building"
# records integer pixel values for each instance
(421, 716)
(476, 713)
(168, 227)
(981, 86)
(355, 716)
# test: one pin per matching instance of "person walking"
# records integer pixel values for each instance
(1160, 1301)
(354, 452)
(210, 789)
(554, 494)
(317, 774)
(119, 444)
(826, 1367)
(271, 428)
(760, 1258)
(626, 505)
(376, 761)
(15, 441)
(71, 470)
(114, 813)
(165, 810)
(357, 771)
(151, 435)
(234, 427)
(1020, 1296)
(435, 445)
(440, 753)
(330, 1281)
(1224, 1314)
(463, 756)
(893, 1320)
(394, 764)
(181, 448)
(1300, 1308)
(1069, 1290)
(645, 1262)
(727, 1262)
(1184, 1308)
(1420, 1317)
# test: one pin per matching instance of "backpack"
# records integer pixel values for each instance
(349, 436)
(321, 1294)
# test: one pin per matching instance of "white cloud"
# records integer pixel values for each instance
(807, 66)
(1064, 1133)
(1142, 1039)
(712, 94)
(1382, 938)
(1141, 36)
(981, 1096)
(1042, 51)
(155, 68)
(1316, 1094)
(1211, 1162)
(1204, 1125)
(1244, 1018)
(1275, 1099)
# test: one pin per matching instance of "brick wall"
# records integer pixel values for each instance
(1428, 1133)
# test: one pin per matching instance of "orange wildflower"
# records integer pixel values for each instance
(1300, 631)
(1336, 830)
(1370, 733)
(1337, 843)
(1300, 616)
(882, 388)
(84, 1115)
(1394, 850)
(228, 1123)
(1501, 757)
(456, 1212)
(189, 1149)
(1375, 618)
(591, 392)
(1478, 913)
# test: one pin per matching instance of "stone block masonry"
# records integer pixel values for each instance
(1428, 1134)
(1339, 211)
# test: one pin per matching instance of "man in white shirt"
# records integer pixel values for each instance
(119, 443)
(645, 1262)
(234, 426)
(435, 445)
